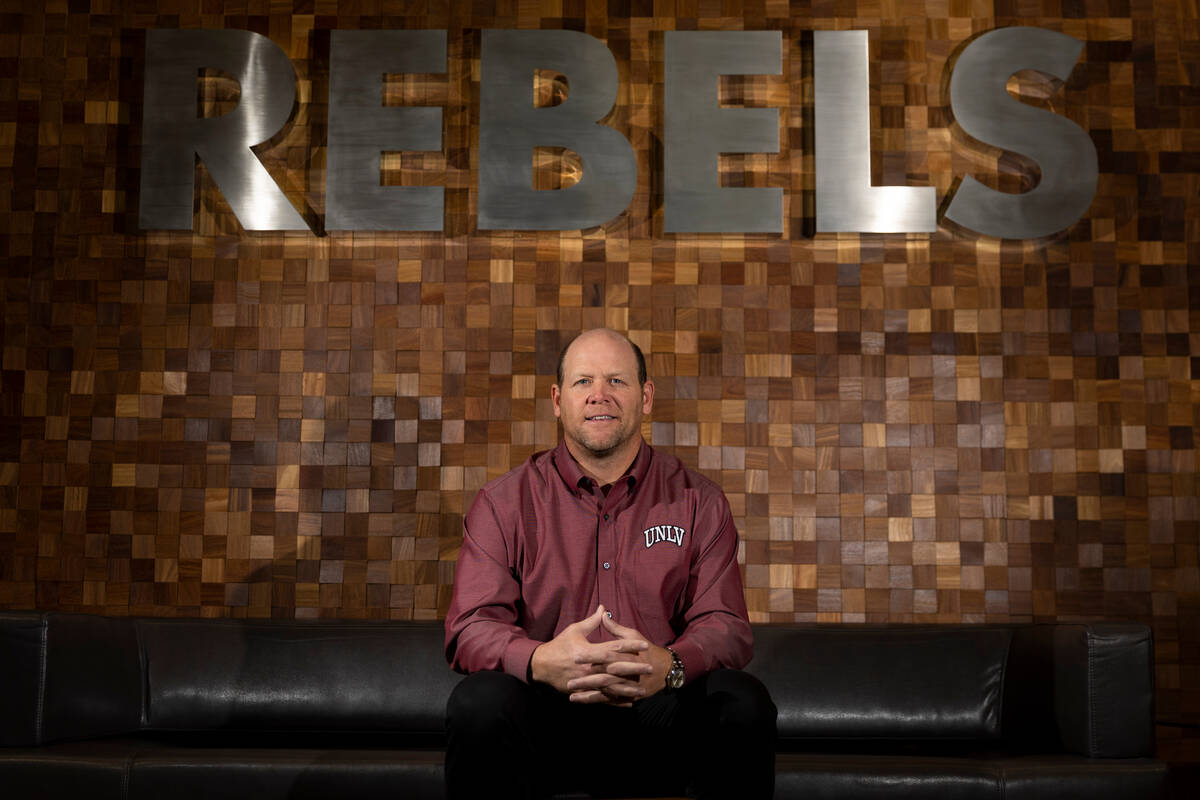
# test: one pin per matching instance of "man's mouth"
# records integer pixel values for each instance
(600, 418)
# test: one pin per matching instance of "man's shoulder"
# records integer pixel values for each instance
(533, 474)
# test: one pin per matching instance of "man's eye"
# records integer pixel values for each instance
(581, 381)
(617, 380)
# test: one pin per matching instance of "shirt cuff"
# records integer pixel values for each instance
(516, 658)
(692, 658)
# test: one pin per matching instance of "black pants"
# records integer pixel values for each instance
(715, 738)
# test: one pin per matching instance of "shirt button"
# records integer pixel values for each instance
(606, 565)
(606, 517)
(608, 614)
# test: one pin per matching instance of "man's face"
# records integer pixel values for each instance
(600, 402)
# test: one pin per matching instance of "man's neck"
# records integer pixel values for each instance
(608, 469)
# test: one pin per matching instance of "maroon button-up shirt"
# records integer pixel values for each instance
(543, 545)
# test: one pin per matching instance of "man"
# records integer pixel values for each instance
(598, 611)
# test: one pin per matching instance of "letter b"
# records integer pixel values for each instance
(510, 127)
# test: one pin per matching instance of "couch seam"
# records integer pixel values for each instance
(1091, 712)
(1148, 645)
(126, 775)
(41, 694)
(144, 676)
(1004, 683)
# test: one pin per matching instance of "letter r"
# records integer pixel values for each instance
(172, 134)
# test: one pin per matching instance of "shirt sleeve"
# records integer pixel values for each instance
(717, 628)
(481, 625)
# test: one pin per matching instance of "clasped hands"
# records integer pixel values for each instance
(616, 672)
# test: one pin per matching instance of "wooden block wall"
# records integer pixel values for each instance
(928, 428)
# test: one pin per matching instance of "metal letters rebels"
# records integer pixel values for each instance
(696, 131)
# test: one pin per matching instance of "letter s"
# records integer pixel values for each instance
(984, 109)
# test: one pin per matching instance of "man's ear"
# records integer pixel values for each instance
(555, 396)
(647, 396)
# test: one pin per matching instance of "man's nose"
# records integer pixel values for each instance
(600, 393)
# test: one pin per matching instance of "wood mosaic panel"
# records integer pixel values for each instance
(929, 428)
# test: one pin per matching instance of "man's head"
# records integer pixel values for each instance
(637, 354)
(602, 395)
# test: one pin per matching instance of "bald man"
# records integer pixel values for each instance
(599, 615)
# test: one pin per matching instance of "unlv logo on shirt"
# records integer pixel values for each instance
(664, 533)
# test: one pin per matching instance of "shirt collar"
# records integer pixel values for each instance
(573, 475)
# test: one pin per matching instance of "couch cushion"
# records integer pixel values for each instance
(883, 682)
(294, 676)
(294, 774)
(1055, 777)
(809, 776)
(834, 777)
(97, 770)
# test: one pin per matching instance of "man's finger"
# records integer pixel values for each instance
(588, 624)
(624, 690)
(614, 684)
(616, 700)
(629, 669)
(596, 680)
(608, 652)
(593, 697)
(619, 630)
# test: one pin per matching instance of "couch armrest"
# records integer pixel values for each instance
(67, 676)
(1104, 689)
(22, 674)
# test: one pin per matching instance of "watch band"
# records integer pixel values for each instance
(675, 676)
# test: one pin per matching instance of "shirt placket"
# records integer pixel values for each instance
(606, 547)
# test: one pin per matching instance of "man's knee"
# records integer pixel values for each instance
(486, 699)
(492, 727)
(743, 703)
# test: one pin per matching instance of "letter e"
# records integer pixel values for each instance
(698, 131)
(361, 128)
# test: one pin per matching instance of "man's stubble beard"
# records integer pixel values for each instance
(604, 448)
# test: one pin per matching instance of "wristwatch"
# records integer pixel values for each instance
(675, 675)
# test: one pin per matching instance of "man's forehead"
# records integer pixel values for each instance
(600, 364)
(598, 352)
(589, 371)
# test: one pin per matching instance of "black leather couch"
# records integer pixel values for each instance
(94, 707)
